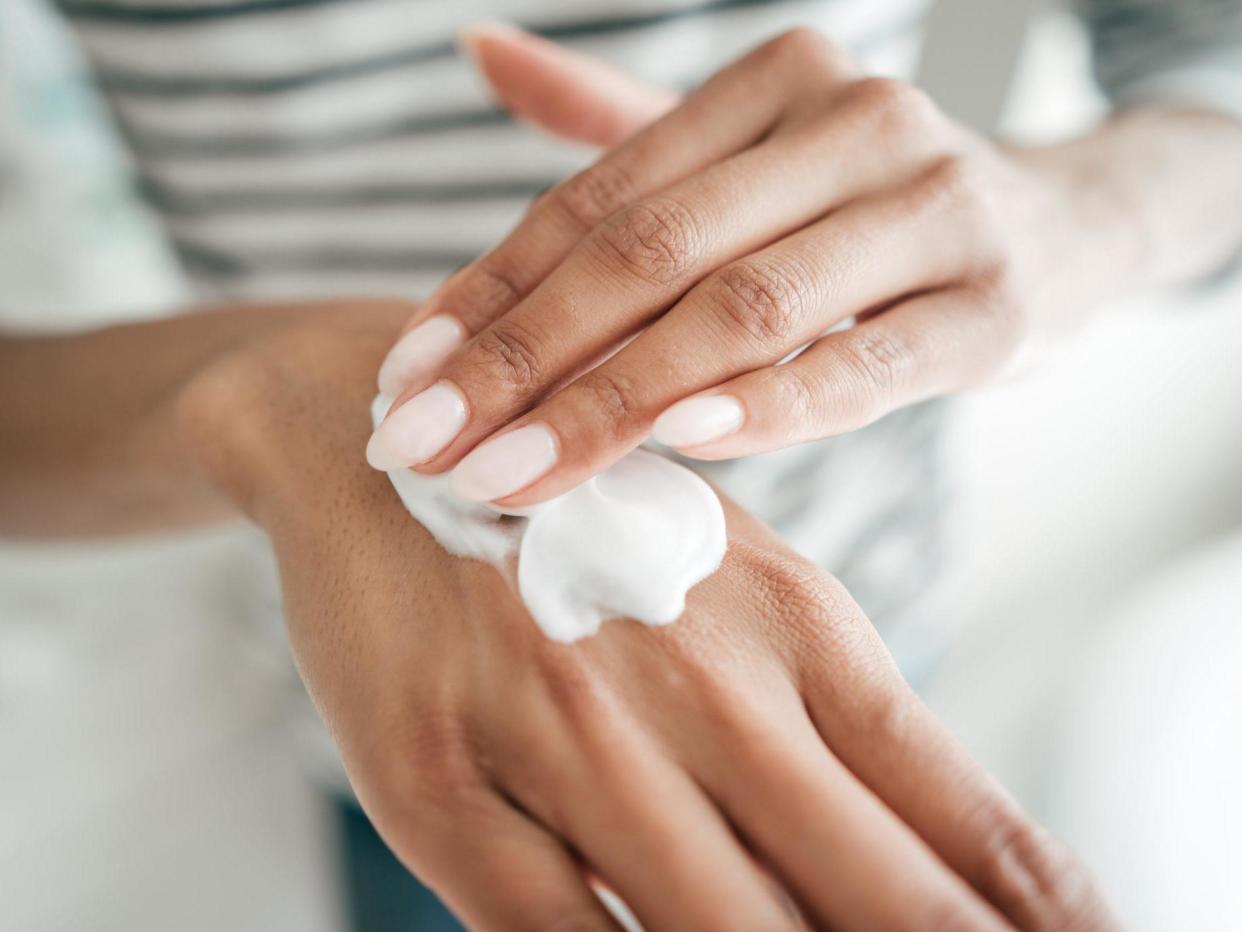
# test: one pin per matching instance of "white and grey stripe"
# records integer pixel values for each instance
(282, 136)
(299, 147)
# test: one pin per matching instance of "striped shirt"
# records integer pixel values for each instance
(327, 147)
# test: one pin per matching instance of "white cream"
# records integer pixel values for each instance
(628, 543)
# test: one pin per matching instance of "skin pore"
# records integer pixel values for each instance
(786, 195)
(767, 726)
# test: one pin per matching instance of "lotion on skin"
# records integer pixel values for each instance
(627, 543)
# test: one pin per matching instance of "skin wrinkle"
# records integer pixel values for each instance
(453, 622)
(766, 154)
(436, 684)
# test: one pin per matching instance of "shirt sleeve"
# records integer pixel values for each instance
(1168, 51)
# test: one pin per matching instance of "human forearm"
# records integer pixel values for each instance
(92, 426)
(459, 721)
(461, 724)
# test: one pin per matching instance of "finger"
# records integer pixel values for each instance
(496, 868)
(748, 315)
(642, 825)
(841, 853)
(572, 95)
(634, 265)
(730, 112)
(883, 732)
(833, 845)
(928, 345)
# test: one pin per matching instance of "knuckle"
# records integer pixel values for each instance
(823, 629)
(828, 622)
(809, 614)
(795, 588)
(509, 352)
(656, 240)
(962, 190)
(574, 688)
(891, 714)
(430, 769)
(494, 284)
(880, 362)
(803, 45)
(955, 176)
(591, 195)
(958, 183)
(1030, 874)
(484, 289)
(898, 107)
(828, 618)
(617, 397)
(799, 393)
(761, 299)
(798, 592)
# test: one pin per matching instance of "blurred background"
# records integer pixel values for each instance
(148, 777)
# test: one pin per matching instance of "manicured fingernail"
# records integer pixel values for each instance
(698, 420)
(420, 352)
(502, 466)
(419, 429)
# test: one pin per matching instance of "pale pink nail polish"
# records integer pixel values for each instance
(506, 464)
(420, 352)
(419, 429)
(700, 420)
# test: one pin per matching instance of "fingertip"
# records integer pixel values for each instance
(469, 36)
(490, 45)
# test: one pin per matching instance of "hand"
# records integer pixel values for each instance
(784, 198)
(766, 727)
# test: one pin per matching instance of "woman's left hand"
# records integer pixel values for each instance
(786, 197)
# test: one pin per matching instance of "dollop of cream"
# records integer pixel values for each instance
(627, 543)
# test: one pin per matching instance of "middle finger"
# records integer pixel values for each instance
(749, 315)
(636, 264)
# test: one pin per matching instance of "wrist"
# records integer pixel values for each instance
(1152, 196)
(1095, 242)
(271, 418)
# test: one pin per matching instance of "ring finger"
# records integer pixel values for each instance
(848, 860)
(747, 316)
(730, 112)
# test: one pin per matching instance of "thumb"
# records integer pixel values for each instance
(567, 94)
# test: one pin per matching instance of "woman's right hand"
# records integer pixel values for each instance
(763, 741)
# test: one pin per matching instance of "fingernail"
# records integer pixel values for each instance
(502, 466)
(420, 352)
(698, 420)
(419, 429)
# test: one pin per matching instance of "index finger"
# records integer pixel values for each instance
(739, 104)
(745, 317)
